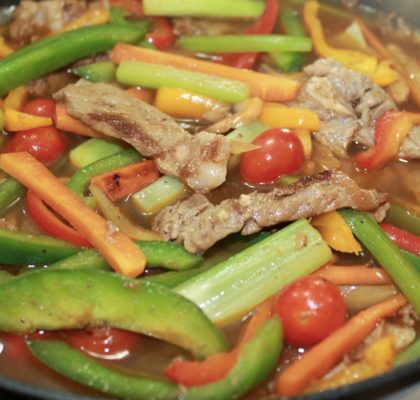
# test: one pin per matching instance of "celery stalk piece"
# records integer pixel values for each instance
(236, 285)
(149, 75)
(245, 133)
(408, 355)
(166, 190)
(245, 43)
(204, 8)
(92, 150)
(386, 253)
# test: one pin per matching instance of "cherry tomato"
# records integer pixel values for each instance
(46, 144)
(40, 107)
(107, 343)
(281, 153)
(310, 309)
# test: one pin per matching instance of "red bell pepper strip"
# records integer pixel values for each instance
(264, 25)
(390, 131)
(217, 366)
(133, 7)
(162, 36)
(50, 223)
(403, 239)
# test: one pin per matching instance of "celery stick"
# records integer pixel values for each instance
(386, 253)
(236, 285)
(91, 151)
(165, 191)
(149, 75)
(204, 8)
(410, 354)
(245, 43)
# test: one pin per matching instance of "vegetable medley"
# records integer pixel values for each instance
(207, 199)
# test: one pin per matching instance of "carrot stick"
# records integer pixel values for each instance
(118, 250)
(146, 95)
(268, 87)
(214, 368)
(120, 183)
(67, 123)
(323, 356)
(354, 275)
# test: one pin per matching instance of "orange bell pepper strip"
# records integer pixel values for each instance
(336, 232)
(120, 183)
(323, 356)
(67, 123)
(267, 87)
(5, 50)
(217, 366)
(16, 98)
(117, 249)
(146, 95)
(280, 116)
(50, 223)
(380, 72)
(390, 131)
(183, 103)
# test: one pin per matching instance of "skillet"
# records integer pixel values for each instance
(402, 383)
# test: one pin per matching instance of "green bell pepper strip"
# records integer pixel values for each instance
(292, 24)
(162, 254)
(402, 218)
(174, 278)
(256, 361)
(74, 299)
(245, 43)
(18, 248)
(57, 51)
(79, 182)
(103, 71)
(386, 252)
(410, 354)
(413, 258)
(10, 191)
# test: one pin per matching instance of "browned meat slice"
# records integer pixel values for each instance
(348, 104)
(199, 160)
(35, 19)
(198, 224)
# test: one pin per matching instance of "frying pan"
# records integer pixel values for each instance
(402, 383)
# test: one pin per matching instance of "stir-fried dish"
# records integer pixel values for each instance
(207, 199)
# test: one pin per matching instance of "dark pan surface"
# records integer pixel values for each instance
(399, 384)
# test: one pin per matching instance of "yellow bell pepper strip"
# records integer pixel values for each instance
(16, 98)
(67, 123)
(335, 231)
(113, 214)
(118, 250)
(180, 103)
(1, 121)
(93, 16)
(18, 121)
(390, 131)
(377, 359)
(306, 139)
(280, 116)
(380, 72)
(5, 50)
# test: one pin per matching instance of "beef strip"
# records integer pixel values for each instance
(199, 160)
(198, 224)
(348, 104)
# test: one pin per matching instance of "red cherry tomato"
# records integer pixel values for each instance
(40, 107)
(310, 309)
(46, 144)
(107, 343)
(281, 153)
